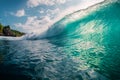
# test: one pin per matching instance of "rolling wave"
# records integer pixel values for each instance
(94, 20)
(94, 35)
(50, 30)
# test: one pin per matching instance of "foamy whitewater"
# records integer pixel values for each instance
(83, 44)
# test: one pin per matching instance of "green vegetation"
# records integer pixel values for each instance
(4, 31)
(17, 33)
(1, 27)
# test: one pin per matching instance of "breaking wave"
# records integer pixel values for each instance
(58, 25)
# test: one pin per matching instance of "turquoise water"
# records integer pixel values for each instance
(95, 39)
(86, 48)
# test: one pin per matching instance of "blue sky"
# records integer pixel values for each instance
(29, 15)
(7, 7)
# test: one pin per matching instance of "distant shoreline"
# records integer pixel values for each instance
(8, 32)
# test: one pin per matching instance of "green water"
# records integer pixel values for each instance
(94, 38)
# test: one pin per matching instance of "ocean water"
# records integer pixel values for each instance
(84, 45)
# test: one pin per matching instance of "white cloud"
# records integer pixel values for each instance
(41, 11)
(35, 3)
(54, 11)
(20, 13)
(33, 24)
(61, 1)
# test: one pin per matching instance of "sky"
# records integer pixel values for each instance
(30, 15)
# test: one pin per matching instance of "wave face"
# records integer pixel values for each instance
(93, 34)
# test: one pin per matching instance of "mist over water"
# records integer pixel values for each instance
(83, 45)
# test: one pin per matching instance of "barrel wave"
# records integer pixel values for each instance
(84, 45)
(93, 35)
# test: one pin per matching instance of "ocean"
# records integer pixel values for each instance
(83, 45)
